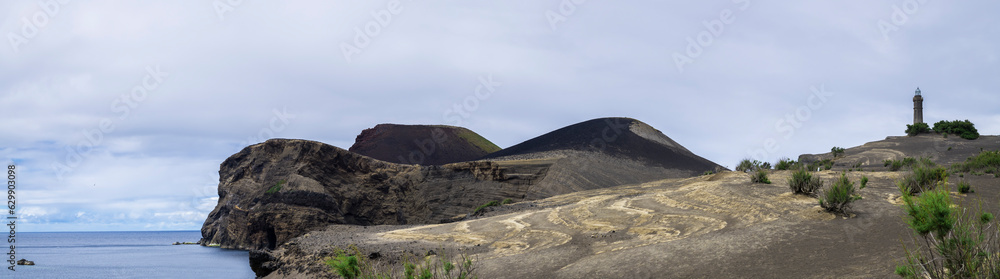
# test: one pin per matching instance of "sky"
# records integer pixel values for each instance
(117, 115)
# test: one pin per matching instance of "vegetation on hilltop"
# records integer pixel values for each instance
(916, 129)
(837, 151)
(964, 129)
(785, 164)
(751, 165)
(478, 141)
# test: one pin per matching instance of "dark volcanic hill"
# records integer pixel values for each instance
(281, 189)
(422, 144)
(677, 228)
(617, 137)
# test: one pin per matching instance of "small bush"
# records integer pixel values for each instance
(482, 207)
(345, 265)
(824, 164)
(964, 129)
(837, 151)
(919, 128)
(964, 187)
(506, 201)
(351, 263)
(923, 179)
(804, 183)
(275, 188)
(895, 165)
(760, 177)
(839, 196)
(864, 182)
(984, 161)
(951, 243)
(750, 165)
(784, 164)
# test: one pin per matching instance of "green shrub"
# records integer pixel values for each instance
(750, 165)
(351, 263)
(951, 243)
(864, 181)
(919, 128)
(894, 165)
(964, 187)
(784, 164)
(923, 179)
(964, 129)
(345, 265)
(482, 207)
(275, 188)
(826, 164)
(910, 162)
(804, 183)
(837, 151)
(760, 177)
(984, 161)
(506, 201)
(839, 196)
(924, 162)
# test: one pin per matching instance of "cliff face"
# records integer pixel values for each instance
(272, 192)
(322, 184)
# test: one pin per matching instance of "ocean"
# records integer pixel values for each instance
(124, 255)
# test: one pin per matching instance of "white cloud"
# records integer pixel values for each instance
(226, 77)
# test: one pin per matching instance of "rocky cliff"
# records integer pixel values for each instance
(280, 189)
(272, 192)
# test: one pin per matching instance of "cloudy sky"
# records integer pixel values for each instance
(118, 114)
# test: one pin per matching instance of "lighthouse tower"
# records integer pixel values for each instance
(918, 108)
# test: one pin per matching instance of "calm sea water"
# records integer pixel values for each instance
(124, 255)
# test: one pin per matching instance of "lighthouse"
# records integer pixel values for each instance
(918, 108)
